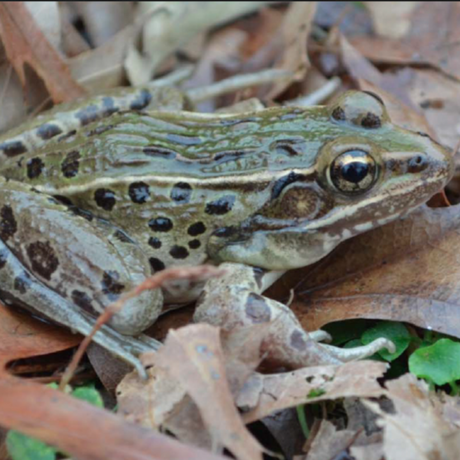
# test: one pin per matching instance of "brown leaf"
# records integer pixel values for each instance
(25, 44)
(417, 99)
(416, 429)
(265, 394)
(22, 336)
(404, 271)
(70, 424)
(193, 356)
(330, 443)
(391, 22)
(102, 68)
(434, 38)
(294, 33)
(362, 70)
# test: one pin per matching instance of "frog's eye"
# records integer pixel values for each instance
(353, 172)
(361, 109)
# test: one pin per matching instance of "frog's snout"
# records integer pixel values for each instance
(436, 162)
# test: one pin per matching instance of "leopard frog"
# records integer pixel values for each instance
(98, 195)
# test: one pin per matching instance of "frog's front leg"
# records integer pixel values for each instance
(235, 301)
(68, 266)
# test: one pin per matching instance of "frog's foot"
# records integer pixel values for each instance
(234, 301)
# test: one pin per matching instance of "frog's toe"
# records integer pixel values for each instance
(365, 351)
(320, 336)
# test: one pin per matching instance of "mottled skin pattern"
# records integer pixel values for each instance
(123, 193)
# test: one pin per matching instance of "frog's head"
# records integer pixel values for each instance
(366, 173)
(376, 171)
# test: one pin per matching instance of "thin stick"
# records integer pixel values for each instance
(199, 273)
(318, 96)
(237, 82)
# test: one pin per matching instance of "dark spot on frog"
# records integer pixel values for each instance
(111, 285)
(109, 105)
(42, 259)
(153, 151)
(155, 242)
(179, 252)
(283, 182)
(181, 192)
(371, 120)
(8, 224)
(338, 114)
(63, 200)
(67, 135)
(13, 148)
(82, 213)
(122, 236)
(70, 165)
(48, 131)
(258, 276)
(196, 229)
(156, 264)
(161, 224)
(289, 147)
(183, 140)
(221, 206)
(139, 192)
(98, 130)
(82, 300)
(194, 244)
(34, 168)
(3, 257)
(257, 309)
(298, 341)
(88, 114)
(21, 284)
(231, 155)
(141, 101)
(224, 232)
(105, 198)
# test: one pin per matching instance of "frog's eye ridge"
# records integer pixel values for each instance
(353, 172)
(360, 109)
(375, 96)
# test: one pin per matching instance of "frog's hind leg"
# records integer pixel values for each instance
(20, 288)
(235, 301)
(77, 264)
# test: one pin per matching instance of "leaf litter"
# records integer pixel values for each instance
(206, 386)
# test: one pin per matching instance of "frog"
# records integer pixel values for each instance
(100, 194)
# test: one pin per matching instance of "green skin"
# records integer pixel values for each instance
(139, 191)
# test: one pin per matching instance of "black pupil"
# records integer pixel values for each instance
(355, 171)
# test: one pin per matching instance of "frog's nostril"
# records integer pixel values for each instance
(417, 163)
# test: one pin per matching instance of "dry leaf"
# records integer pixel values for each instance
(434, 38)
(416, 429)
(103, 68)
(294, 32)
(169, 25)
(68, 423)
(22, 336)
(46, 16)
(25, 44)
(193, 356)
(330, 443)
(104, 19)
(265, 394)
(393, 22)
(404, 271)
